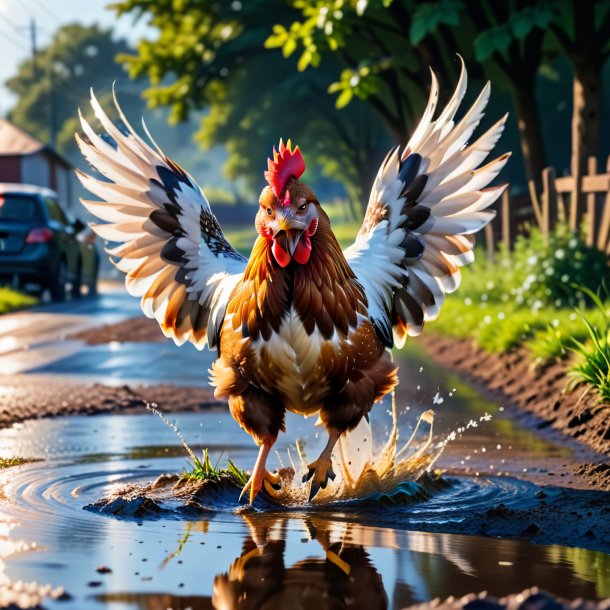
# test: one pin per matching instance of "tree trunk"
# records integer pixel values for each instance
(530, 132)
(586, 100)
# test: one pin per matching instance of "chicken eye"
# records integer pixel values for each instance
(269, 211)
(303, 207)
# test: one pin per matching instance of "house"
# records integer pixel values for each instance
(26, 160)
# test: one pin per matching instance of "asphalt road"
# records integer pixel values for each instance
(37, 341)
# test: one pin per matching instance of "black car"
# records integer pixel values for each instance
(41, 247)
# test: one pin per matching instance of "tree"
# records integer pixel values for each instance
(51, 87)
(211, 55)
(387, 45)
(583, 32)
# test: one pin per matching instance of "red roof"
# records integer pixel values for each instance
(15, 141)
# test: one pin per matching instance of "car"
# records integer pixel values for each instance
(41, 247)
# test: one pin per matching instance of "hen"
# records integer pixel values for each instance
(301, 325)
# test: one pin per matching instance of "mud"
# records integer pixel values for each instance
(544, 515)
(530, 599)
(540, 391)
(24, 397)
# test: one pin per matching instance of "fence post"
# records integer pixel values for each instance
(549, 199)
(554, 205)
(489, 241)
(590, 198)
(604, 225)
(506, 218)
(535, 202)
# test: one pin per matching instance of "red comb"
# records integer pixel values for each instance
(286, 164)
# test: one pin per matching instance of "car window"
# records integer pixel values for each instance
(19, 207)
(55, 212)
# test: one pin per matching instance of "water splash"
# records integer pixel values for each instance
(360, 469)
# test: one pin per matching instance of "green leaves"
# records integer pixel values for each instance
(361, 83)
(428, 16)
(519, 26)
(540, 15)
(495, 40)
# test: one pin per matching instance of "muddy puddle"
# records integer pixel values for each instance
(487, 524)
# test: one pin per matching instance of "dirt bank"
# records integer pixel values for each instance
(30, 397)
(540, 391)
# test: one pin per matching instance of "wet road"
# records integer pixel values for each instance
(38, 341)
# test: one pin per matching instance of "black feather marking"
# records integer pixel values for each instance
(165, 221)
(170, 179)
(416, 217)
(405, 303)
(215, 328)
(171, 253)
(413, 246)
(214, 237)
(409, 168)
(413, 191)
(383, 331)
(181, 278)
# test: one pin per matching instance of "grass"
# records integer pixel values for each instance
(592, 365)
(202, 468)
(11, 300)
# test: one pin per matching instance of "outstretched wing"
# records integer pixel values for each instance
(172, 248)
(425, 206)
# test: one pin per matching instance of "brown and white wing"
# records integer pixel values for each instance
(426, 204)
(171, 247)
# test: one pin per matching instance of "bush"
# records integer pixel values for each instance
(527, 296)
(545, 271)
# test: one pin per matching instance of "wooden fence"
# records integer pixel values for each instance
(558, 201)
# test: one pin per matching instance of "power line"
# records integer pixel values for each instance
(47, 10)
(9, 21)
(8, 36)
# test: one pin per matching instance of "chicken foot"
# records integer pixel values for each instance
(260, 472)
(322, 469)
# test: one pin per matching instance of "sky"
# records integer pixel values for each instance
(15, 40)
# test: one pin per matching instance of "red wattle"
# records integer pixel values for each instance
(303, 250)
(281, 256)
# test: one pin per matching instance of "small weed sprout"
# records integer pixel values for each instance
(202, 468)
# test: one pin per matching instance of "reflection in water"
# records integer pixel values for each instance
(343, 577)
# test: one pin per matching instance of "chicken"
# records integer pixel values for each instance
(301, 325)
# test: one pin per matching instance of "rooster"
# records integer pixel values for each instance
(301, 325)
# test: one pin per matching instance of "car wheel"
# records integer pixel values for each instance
(58, 286)
(77, 283)
(92, 283)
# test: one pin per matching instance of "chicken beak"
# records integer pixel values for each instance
(288, 239)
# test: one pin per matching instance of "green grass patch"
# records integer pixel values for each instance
(12, 462)
(203, 470)
(592, 365)
(11, 300)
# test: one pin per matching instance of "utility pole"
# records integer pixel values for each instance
(34, 48)
(51, 101)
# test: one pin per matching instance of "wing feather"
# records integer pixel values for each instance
(425, 206)
(170, 245)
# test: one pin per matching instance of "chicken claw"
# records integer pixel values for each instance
(319, 472)
(255, 483)
(260, 472)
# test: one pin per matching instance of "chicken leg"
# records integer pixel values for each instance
(321, 470)
(260, 472)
